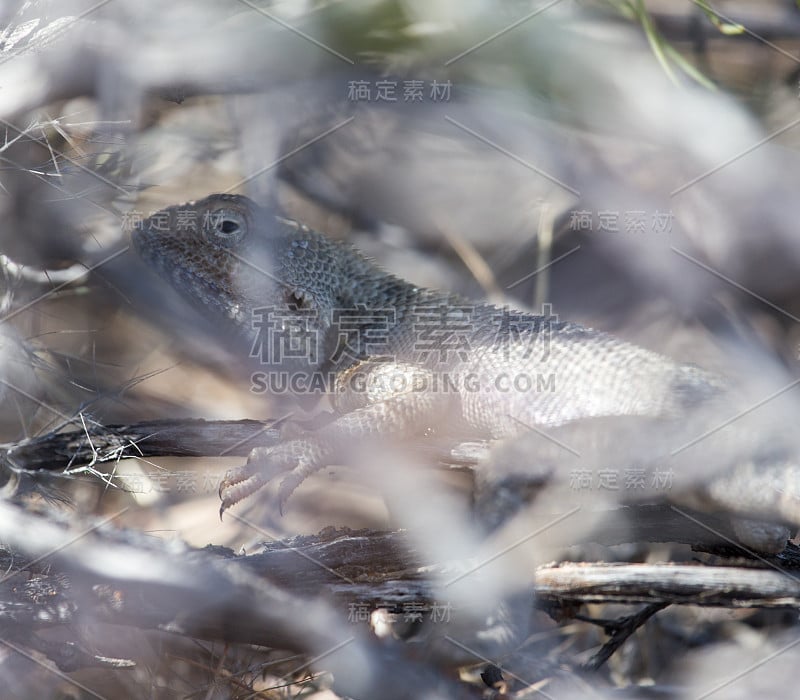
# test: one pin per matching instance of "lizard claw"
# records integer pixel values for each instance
(238, 484)
(287, 488)
(293, 479)
(241, 482)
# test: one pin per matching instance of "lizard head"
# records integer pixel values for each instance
(252, 272)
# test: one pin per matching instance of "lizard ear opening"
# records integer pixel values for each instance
(298, 300)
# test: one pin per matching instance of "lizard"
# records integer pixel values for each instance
(399, 357)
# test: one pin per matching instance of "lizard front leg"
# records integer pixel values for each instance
(376, 400)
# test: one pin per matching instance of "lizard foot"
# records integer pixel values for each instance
(243, 482)
(238, 484)
(293, 479)
(291, 459)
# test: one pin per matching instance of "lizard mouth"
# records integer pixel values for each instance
(140, 238)
(149, 243)
(168, 255)
(158, 245)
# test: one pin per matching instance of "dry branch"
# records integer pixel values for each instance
(125, 578)
(687, 584)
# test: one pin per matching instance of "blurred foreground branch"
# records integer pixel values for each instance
(126, 578)
(289, 595)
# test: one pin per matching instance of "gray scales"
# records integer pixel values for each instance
(407, 361)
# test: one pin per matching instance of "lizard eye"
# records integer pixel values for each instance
(224, 227)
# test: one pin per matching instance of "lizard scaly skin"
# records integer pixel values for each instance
(387, 342)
